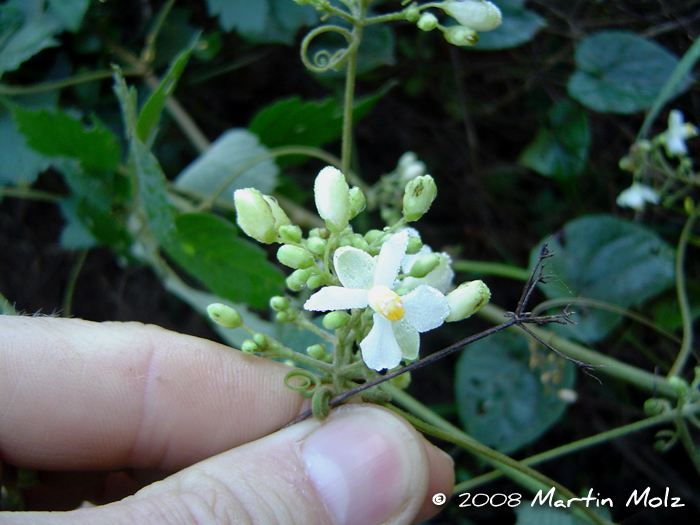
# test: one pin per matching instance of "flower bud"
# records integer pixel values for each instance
(358, 201)
(414, 245)
(224, 315)
(290, 233)
(358, 241)
(249, 347)
(467, 299)
(478, 15)
(316, 245)
(373, 235)
(281, 218)
(335, 320)
(412, 13)
(424, 265)
(332, 196)
(418, 196)
(315, 281)
(298, 278)
(317, 351)
(427, 22)
(679, 384)
(283, 317)
(401, 381)
(294, 257)
(255, 216)
(279, 303)
(260, 340)
(461, 36)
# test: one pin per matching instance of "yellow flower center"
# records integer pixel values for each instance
(386, 302)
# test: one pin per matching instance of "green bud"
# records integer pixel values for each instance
(478, 15)
(282, 317)
(254, 215)
(299, 277)
(260, 340)
(316, 245)
(414, 245)
(467, 299)
(412, 13)
(279, 303)
(373, 235)
(425, 265)
(418, 196)
(461, 36)
(358, 201)
(689, 205)
(317, 351)
(359, 242)
(249, 347)
(315, 281)
(292, 284)
(294, 257)
(655, 406)
(335, 320)
(281, 218)
(290, 233)
(427, 22)
(678, 384)
(401, 381)
(224, 315)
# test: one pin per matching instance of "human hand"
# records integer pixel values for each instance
(78, 399)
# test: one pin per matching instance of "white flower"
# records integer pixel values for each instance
(478, 15)
(636, 196)
(676, 134)
(440, 277)
(370, 281)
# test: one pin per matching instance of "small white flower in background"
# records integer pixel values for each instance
(478, 15)
(675, 136)
(398, 320)
(439, 277)
(409, 167)
(636, 196)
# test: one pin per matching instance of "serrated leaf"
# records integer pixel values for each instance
(560, 148)
(21, 41)
(57, 134)
(210, 249)
(500, 400)
(149, 116)
(609, 259)
(620, 72)
(519, 25)
(228, 154)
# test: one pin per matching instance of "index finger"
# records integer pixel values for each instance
(81, 395)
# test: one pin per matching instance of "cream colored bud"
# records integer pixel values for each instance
(281, 218)
(254, 215)
(224, 315)
(467, 299)
(461, 36)
(427, 22)
(418, 196)
(358, 201)
(294, 257)
(332, 196)
(479, 15)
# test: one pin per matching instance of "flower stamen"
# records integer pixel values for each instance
(386, 302)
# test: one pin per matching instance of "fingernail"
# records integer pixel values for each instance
(364, 463)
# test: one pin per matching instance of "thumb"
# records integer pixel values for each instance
(362, 466)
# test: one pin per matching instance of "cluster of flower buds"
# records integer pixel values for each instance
(472, 17)
(401, 283)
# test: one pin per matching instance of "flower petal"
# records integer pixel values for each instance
(380, 349)
(407, 338)
(425, 308)
(389, 259)
(336, 298)
(355, 268)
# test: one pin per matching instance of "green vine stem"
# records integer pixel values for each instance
(687, 345)
(607, 365)
(75, 272)
(522, 474)
(686, 439)
(489, 268)
(28, 193)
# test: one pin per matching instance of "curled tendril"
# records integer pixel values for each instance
(320, 405)
(303, 381)
(665, 439)
(324, 60)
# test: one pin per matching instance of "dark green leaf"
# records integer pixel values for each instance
(210, 249)
(19, 164)
(500, 400)
(560, 148)
(519, 25)
(57, 134)
(609, 259)
(70, 12)
(620, 72)
(149, 117)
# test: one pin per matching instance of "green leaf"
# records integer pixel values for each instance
(149, 117)
(560, 148)
(229, 153)
(209, 248)
(70, 12)
(21, 42)
(500, 400)
(19, 164)
(263, 21)
(609, 259)
(57, 134)
(519, 25)
(620, 72)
